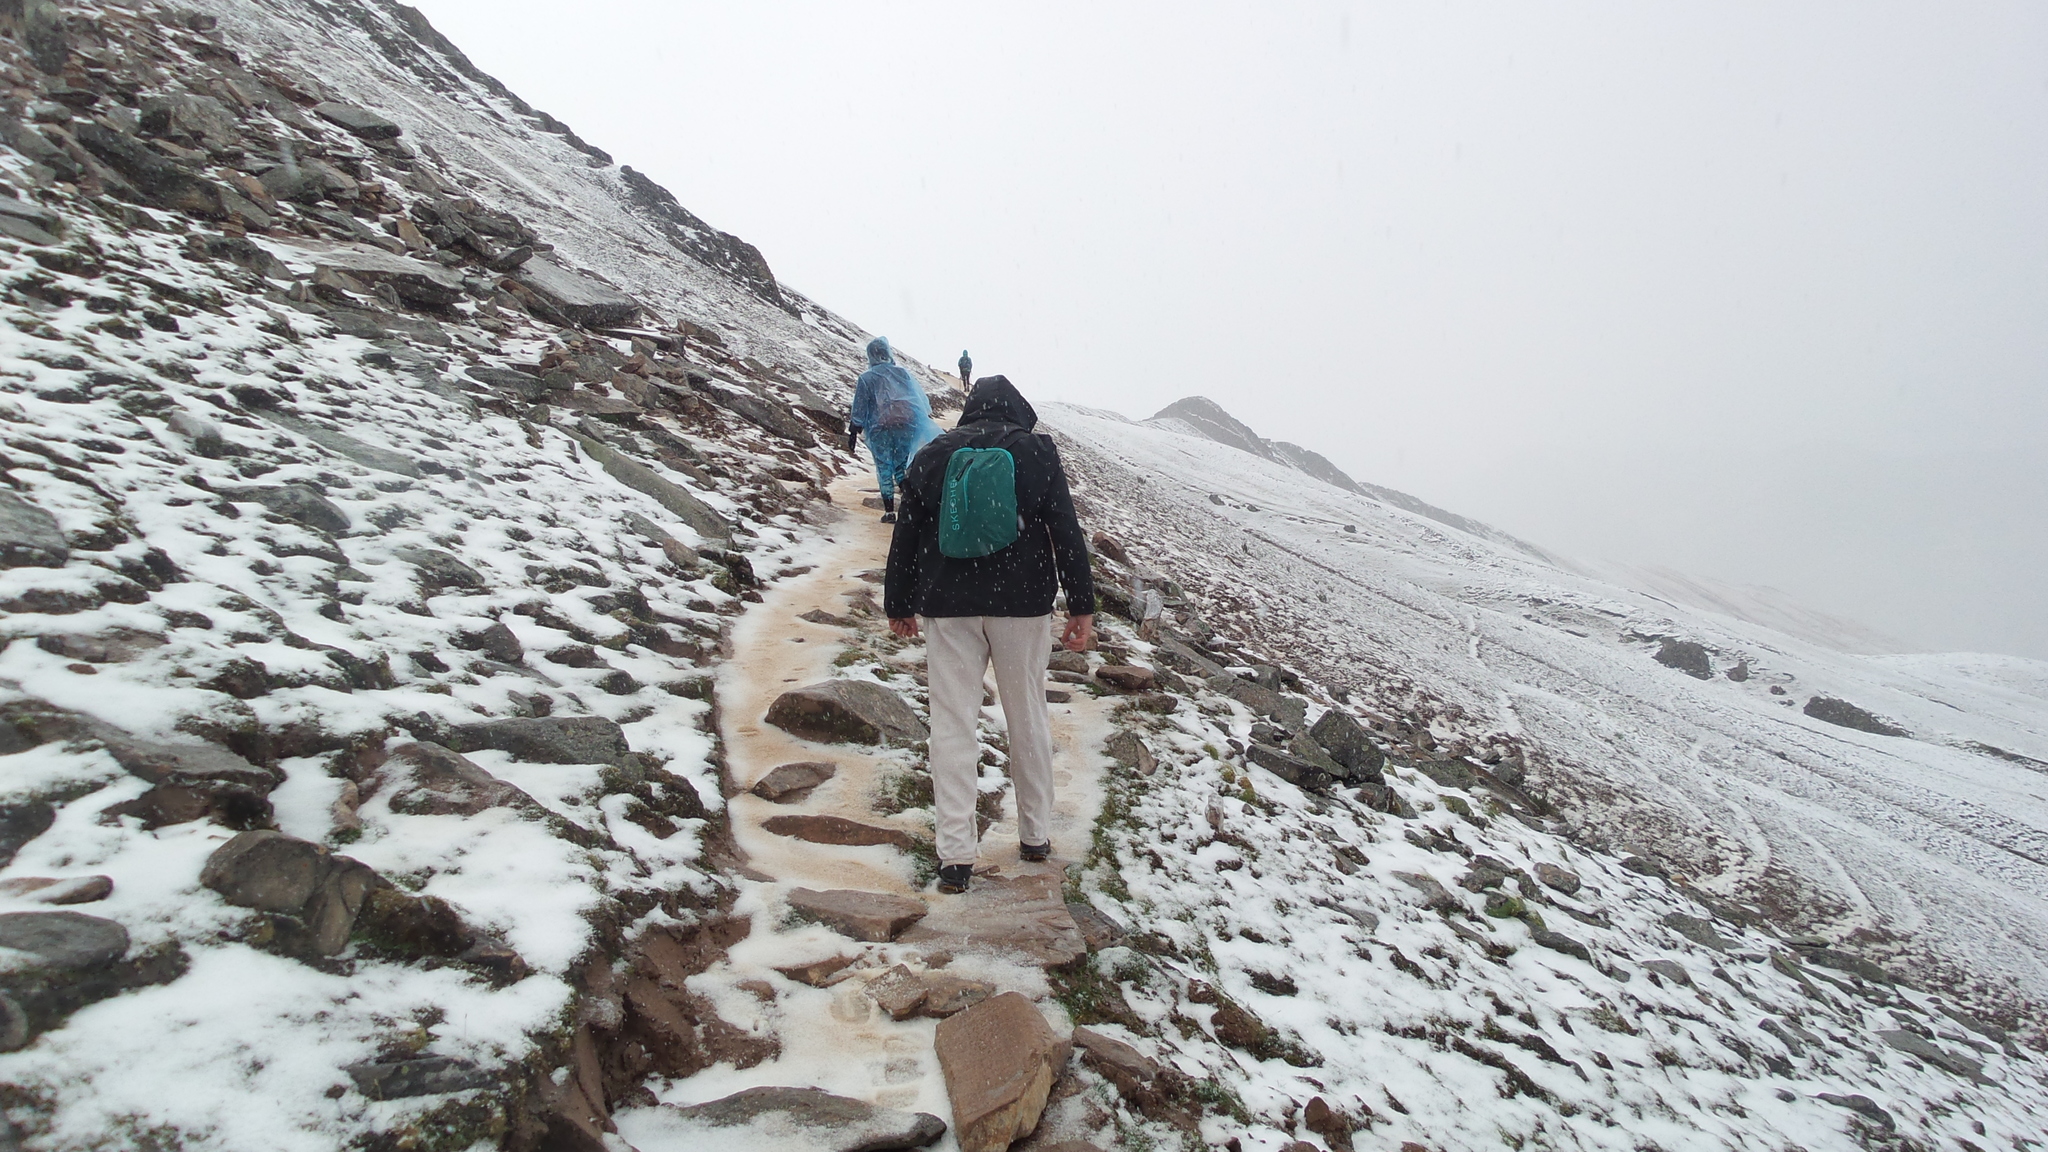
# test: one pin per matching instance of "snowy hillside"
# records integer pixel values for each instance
(445, 707)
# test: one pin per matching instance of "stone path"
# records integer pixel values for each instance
(818, 970)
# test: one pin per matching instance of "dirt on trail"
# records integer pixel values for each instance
(1001, 934)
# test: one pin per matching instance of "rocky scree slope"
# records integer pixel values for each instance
(363, 545)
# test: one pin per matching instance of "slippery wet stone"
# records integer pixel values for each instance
(837, 830)
(789, 783)
(847, 711)
(999, 1059)
(809, 1118)
(871, 916)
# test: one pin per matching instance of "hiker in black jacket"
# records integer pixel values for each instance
(991, 609)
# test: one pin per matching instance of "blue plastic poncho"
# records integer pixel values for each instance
(892, 411)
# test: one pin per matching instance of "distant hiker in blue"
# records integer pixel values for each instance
(966, 369)
(890, 407)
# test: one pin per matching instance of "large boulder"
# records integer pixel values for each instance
(1345, 739)
(29, 536)
(62, 940)
(22, 822)
(1843, 714)
(578, 299)
(999, 1059)
(317, 893)
(798, 1119)
(155, 175)
(416, 281)
(1286, 765)
(847, 712)
(770, 416)
(298, 502)
(361, 121)
(1686, 656)
(546, 740)
(427, 779)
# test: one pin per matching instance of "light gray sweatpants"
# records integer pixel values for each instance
(958, 649)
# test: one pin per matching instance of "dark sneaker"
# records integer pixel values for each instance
(888, 517)
(1034, 853)
(953, 878)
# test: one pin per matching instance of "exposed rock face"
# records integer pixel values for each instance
(29, 536)
(1698, 931)
(1686, 656)
(320, 892)
(806, 1118)
(847, 712)
(873, 916)
(1844, 714)
(578, 299)
(547, 739)
(24, 821)
(52, 890)
(1345, 739)
(789, 783)
(1000, 1058)
(772, 417)
(837, 830)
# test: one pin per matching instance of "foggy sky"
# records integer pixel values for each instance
(1754, 291)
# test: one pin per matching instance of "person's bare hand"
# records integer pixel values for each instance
(1079, 635)
(905, 626)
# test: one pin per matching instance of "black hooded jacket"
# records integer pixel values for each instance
(1020, 580)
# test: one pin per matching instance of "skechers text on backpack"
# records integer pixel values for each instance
(978, 511)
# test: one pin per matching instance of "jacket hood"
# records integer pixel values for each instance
(996, 399)
(878, 351)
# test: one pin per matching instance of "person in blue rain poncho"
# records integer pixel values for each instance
(892, 411)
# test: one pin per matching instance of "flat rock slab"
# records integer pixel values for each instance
(425, 1076)
(68, 941)
(52, 890)
(789, 783)
(360, 121)
(872, 916)
(429, 780)
(818, 973)
(1098, 929)
(546, 740)
(1022, 916)
(837, 830)
(1127, 677)
(798, 1119)
(999, 1058)
(579, 299)
(847, 712)
(415, 281)
(29, 536)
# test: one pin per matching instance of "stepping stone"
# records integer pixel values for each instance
(799, 1119)
(50, 890)
(999, 1059)
(818, 973)
(1022, 917)
(789, 783)
(847, 712)
(1098, 930)
(899, 992)
(873, 916)
(947, 995)
(837, 830)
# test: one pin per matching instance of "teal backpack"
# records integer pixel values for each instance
(978, 513)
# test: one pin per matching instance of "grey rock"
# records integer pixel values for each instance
(847, 711)
(202, 434)
(193, 117)
(1182, 657)
(22, 821)
(440, 570)
(524, 385)
(825, 1122)
(360, 121)
(1304, 747)
(1559, 942)
(1129, 749)
(426, 779)
(180, 762)
(383, 326)
(546, 739)
(789, 783)
(496, 641)
(422, 1076)
(1698, 931)
(1686, 656)
(14, 1034)
(1289, 767)
(773, 418)
(1561, 879)
(1843, 714)
(66, 941)
(678, 553)
(29, 536)
(1671, 970)
(643, 479)
(29, 222)
(1114, 1056)
(1434, 895)
(344, 445)
(578, 299)
(1099, 930)
(307, 180)
(295, 502)
(1065, 661)
(54, 890)
(1289, 711)
(271, 872)
(152, 173)
(1347, 743)
(1914, 1044)
(1863, 1106)
(1785, 1036)
(415, 281)
(1448, 773)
